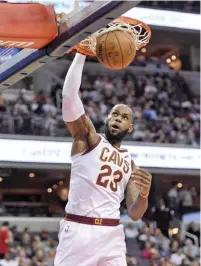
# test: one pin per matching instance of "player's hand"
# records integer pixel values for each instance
(143, 180)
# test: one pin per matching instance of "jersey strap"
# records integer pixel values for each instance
(93, 146)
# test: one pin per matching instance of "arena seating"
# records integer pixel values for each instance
(165, 110)
(146, 246)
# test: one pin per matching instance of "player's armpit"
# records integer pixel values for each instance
(83, 133)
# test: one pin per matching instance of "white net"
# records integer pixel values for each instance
(137, 31)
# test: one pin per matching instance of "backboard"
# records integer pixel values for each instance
(82, 21)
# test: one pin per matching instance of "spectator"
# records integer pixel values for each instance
(4, 239)
(37, 243)
(39, 259)
(146, 236)
(173, 198)
(7, 261)
(178, 257)
(162, 242)
(131, 231)
(21, 108)
(186, 196)
(174, 246)
(49, 108)
(149, 111)
(163, 217)
(146, 252)
(190, 250)
(40, 98)
(196, 262)
(166, 262)
(131, 261)
(21, 258)
(51, 256)
(2, 209)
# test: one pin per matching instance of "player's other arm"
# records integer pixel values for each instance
(79, 125)
(137, 193)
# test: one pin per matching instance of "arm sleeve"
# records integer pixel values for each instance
(72, 107)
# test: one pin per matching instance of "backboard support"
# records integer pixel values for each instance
(83, 24)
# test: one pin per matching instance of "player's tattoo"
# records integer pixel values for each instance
(132, 192)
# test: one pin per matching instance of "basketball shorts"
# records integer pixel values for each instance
(90, 245)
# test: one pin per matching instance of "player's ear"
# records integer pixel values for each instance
(130, 128)
(106, 119)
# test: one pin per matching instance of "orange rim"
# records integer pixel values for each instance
(81, 49)
(87, 51)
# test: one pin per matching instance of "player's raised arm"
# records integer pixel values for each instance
(80, 126)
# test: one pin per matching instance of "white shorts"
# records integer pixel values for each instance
(90, 245)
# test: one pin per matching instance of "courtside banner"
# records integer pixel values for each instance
(35, 151)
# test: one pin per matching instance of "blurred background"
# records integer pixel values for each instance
(162, 86)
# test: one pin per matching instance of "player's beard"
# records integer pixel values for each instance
(114, 137)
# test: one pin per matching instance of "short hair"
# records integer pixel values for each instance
(5, 224)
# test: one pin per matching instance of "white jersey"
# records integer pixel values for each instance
(98, 181)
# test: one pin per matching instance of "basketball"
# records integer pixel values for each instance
(115, 49)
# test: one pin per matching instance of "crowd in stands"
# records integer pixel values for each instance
(185, 6)
(182, 200)
(164, 108)
(25, 248)
(146, 244)
(158, 240)
(161, 239)
(149, 246)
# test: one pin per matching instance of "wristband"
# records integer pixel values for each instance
(144, 196)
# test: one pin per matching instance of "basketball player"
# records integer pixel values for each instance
(90, 234)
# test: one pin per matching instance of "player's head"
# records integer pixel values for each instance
(118, 123)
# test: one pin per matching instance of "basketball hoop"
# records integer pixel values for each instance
(140, 32)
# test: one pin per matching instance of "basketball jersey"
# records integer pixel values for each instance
(98, 181)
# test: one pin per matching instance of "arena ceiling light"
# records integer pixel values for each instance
(49, 190)
(179, 185)
(31, 175)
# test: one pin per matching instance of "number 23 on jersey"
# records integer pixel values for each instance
(109, 179)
